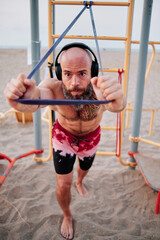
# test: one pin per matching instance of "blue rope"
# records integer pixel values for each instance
(56, 43)
(59, 101)
(95, 36)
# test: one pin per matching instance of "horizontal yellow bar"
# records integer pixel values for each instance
(150, 109)
(101, 38)
(106, 153)
(108, 69)
(149, 142)
(121, 4)
(144, 110)
(113, 70)
(150, 42)
(91, 37)
(109, 128)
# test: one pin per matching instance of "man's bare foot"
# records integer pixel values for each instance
(67, 228)
(81, 189)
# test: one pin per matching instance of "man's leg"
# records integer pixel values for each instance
(63, 192)
(80, 186)
(64, 172)
(82, 170)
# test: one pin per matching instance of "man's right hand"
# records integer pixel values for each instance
(20, 87)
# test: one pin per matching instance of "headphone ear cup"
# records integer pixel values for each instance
(58, 71)
(94, 69)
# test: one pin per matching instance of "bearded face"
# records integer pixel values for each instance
(87, 93)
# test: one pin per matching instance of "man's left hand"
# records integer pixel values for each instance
(108, 88)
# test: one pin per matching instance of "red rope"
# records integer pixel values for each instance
(2, 156)
(34, 151)
(131, 154)
(157, 203)
(118, 135)
(118, 128)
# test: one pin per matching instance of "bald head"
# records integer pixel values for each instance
(76, 57)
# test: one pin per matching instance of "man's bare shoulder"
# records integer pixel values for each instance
(50, 83)
(51, 88)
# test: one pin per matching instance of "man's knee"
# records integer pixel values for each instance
(86, 163)
(64, 185)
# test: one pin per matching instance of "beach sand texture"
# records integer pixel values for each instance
(120, 206)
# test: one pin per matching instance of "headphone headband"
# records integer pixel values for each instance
(94, 67)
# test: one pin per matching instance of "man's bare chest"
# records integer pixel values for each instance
(87, 113)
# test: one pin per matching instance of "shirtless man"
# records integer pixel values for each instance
(77, 74)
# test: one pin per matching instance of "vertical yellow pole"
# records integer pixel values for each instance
(128, 114)
(150, 63)
(127, 59)
(128, 44)
(151, 123)
(50, 30)
(50, 60)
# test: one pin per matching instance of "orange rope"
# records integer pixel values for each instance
(3, 156)
(157, 203)
(34, 151)
(12, 161)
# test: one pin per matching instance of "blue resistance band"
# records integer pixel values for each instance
(64, 101)
(95, 36)
(59, 101)
(56, 43)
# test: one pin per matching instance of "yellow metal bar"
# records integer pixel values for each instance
(128, 109)
(50, 30)
(129, 164)
(91, 37)
(102, 38)
(106, 153)
(150, 109)
(149, 142)
(150, 42)
(151, 124)
(126, 63)
(12, 111)
(108, 69)
(42, 159)
(150, 63)
(120, 4)
(144, 110)
(113, 70)
(127, 48)
(109, 128)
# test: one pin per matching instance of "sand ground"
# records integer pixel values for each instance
(120, 206)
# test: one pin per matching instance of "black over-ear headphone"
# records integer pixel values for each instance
(94, 67)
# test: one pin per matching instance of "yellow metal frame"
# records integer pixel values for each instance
(20, 116)
(151, 43)
(128, 42)
(88, 3)
(126, 39)
(152, 110)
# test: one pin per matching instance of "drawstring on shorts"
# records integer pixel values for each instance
(76, 141)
